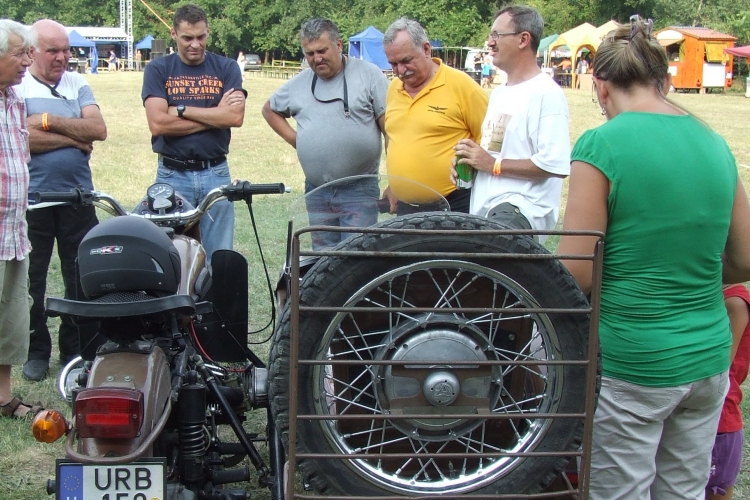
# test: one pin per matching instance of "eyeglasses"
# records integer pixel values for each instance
(495, 35)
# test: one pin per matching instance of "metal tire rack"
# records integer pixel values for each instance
(591, 361)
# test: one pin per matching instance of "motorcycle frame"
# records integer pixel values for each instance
(566, 489)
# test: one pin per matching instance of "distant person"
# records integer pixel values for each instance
(64, 122)
(15, 45)
(192, 100)
(138, 58)
(112, 61)
(486, 73)
(726, 457)
(241, 60)
(430, 107)
(676, 222)
(339, 107)
(94, 58)
(583, 66)
(524, 153)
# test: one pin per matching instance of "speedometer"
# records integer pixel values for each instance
(160, 190)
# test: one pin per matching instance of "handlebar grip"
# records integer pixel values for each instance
(245, 189)
(74, 196)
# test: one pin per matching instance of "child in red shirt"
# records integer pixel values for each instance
(726, 456)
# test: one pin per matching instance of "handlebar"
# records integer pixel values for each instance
(242, 190)
(76, 196)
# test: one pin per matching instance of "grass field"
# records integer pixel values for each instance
(124, 166)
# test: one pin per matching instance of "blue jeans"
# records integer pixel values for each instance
(217, 226)
(341, 204)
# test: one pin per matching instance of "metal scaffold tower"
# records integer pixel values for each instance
(126, 23)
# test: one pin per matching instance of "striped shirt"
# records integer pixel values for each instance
(14, 177)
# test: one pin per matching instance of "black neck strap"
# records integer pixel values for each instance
(52, 88)
(346, 90)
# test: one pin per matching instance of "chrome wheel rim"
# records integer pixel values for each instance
(518, 390)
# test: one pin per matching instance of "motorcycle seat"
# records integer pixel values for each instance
(121, 304)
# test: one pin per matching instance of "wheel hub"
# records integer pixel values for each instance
(444, 389)
(441, 388)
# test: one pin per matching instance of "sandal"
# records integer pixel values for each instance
(10, 409)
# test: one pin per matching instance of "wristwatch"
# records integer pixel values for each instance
(180, 110)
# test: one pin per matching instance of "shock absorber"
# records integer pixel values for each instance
(192, 418)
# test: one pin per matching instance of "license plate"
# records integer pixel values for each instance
(140, 480)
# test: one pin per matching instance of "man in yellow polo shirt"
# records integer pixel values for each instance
(429, 108)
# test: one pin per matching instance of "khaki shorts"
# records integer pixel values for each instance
(14, 311)
(654, 443)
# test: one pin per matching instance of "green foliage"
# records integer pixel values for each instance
(728, 16)
(271, 27)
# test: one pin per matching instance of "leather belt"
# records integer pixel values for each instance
(178, 164)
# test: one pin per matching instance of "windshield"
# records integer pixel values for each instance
(358, 201)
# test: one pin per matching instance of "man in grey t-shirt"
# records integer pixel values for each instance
(339, 107)
(63, 122)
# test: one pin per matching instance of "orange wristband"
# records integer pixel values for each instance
(45, 118)
(497, 167)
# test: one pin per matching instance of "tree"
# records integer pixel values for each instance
(272, 26)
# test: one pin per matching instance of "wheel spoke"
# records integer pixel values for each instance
(482, 444)
(517, 405)
(354, 350)
(430, 461)
(365, 449)
(350, 402)
(399, 315)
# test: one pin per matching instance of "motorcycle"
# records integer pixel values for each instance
(150, 404)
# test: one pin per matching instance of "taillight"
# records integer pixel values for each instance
(109, 413)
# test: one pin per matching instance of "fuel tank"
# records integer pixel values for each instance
(195, 277)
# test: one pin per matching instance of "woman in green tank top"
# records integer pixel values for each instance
(664, 190)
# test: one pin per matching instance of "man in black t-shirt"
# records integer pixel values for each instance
(192, 99)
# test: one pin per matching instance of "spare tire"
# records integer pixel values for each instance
(455, 391)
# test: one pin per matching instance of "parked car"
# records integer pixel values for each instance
(253, 62)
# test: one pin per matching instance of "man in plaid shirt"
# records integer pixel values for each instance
(14, 243)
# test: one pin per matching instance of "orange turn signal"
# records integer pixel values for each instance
(49, 426)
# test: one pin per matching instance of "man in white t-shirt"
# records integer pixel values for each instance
(525, 148)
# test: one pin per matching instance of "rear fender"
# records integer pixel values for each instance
(146, 371)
